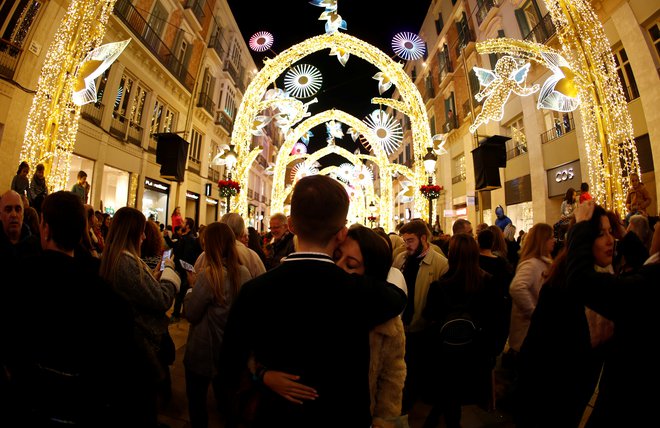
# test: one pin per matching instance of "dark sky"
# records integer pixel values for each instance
(348, 88)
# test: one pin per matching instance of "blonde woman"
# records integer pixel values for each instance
(206, 307)
(534, 262)
(149, 296)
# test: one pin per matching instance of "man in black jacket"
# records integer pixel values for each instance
(310, 318)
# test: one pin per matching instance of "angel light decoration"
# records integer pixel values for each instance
(498, 85)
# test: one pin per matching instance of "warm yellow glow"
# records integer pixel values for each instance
(412, 105)
(52, 124)
(606, 124)
(567, 85)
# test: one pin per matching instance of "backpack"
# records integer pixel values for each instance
(459, 329)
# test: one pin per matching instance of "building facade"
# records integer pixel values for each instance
(184, 72)
(545, 155)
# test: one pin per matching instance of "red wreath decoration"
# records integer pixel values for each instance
(430, 191)
(229, 188)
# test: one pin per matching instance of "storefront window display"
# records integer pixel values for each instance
(211, 210)
(81, 164)
(155, 200)
(114, 190)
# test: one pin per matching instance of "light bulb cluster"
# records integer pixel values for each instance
(606, 123)
(52, 124)
(412, 105)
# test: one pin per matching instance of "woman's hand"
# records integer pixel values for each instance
(584, 211)
(286, 385)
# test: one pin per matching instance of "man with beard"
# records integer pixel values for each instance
(420, 266)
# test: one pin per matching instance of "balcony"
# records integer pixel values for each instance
(262, 161)
(233, 71)
(450, 124)
(92, 112)
(458, 178)
(150, 39)
(542, 32)
(118, 125)
(445, 69)
(194, 165)
(518, 150)
(9, 55)
(205, 102)
(135, 133)
(558, 130)
(196, 7)
(213, 175)
(486, 6)
(223, 119)
(216, 44)
(465, 36)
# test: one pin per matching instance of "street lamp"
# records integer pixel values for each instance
(230, 158)
(430, 160)
(372, 211)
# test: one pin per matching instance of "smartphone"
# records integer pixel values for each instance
(166, 255)
(187, 266)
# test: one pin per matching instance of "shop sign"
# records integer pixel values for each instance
(156, 185)
(191, 195)
(563, 177)
(211, 201)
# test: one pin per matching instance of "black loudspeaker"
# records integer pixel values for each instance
(488, 158)
(171, 152)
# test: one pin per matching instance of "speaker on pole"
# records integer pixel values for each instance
(171, 152)
(488, 158)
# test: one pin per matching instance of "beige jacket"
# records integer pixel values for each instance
(246, 257)
(431, 268)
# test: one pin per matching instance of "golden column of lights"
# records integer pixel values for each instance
(606, 123)
(52, 125)
(249, 107)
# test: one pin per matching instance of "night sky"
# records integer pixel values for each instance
(351, 87)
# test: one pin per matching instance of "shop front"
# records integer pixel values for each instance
(192, 206)
(518, 197)
(114, 189)
(78, 164)
(155, 200)
(564, 177)
(211, 210)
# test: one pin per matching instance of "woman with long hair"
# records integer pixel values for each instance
(534, 262)
(461, 373)
(206, 307)
(561, 357)
(150, 297)
(177, 218)
(21, 183)
(38, 189)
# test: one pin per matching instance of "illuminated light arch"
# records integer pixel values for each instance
(412, 105)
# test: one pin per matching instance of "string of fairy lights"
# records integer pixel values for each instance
(52, 124)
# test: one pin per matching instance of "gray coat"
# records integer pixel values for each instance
(207, 320)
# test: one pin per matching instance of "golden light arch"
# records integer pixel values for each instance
(412, 105)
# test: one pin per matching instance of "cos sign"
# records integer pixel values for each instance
(564, 175)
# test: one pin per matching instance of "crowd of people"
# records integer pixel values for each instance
(319, 323)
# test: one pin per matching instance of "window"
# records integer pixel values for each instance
(157, 21)
(432, 124)
(195, 147)
(458, 169)
(654, 32)
(138, 106)
(496, 56)
(235, 54)
(407, 159)
(444, 62)
(230, 102)
(626, 75)
(123, 97)
(450, 115)
(16, 18)
(428, 82)
(464, 33)
(528, 17)
(556, 124)
(517, 145)
(439, 24)
(162, 120)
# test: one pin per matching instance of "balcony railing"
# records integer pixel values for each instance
(458, 178)
(482, 12)
(232, 70)
(631, 92)
(450, 124)
(206, 103)
(216, 44)
(194, 164)
(464, 38)
(134, 136)
(516, 151)
(223, 119)
(196, 7)
(542, 31)
(9, 55)
(119, 125)
(262, 161)
(92, 112)
(149, 37)
(564, 127)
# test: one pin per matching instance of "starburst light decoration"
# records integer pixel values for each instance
(261, 41)
(388, 130)
(303, 169)
(52, 123)
(362, 175)
(508, 77)
(299, 149)
(408, 46)
(94, 65)
(345, 172)
(303, 81)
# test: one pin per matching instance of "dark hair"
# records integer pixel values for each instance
(459, 226)
(31, 218)
(417, 228)
(153, 243)
(463, 260)
(190, 223)
(254, 242)
(319, 205)
(41, 167)
(570, 195)
(376, 255)
(584, 187)
(21, 166)
(485, 239)
(381, 232)
(81, 174)
(64, 214)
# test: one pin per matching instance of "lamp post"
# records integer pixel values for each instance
(372, 212)
(230, 158)
(430, 160)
